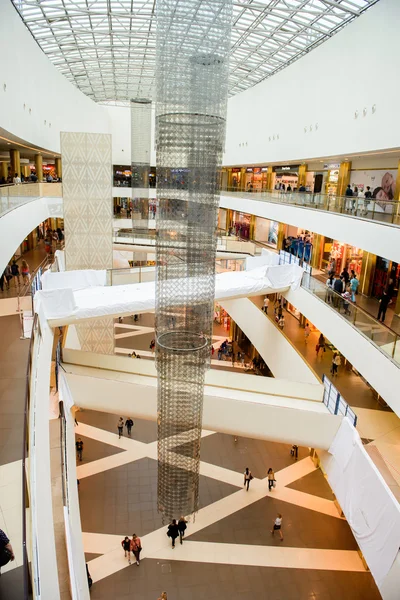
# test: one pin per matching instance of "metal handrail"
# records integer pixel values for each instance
(356, 308)
(328, 203)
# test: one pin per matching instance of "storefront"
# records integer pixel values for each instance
(285, 175)
(299, 242)
(256, 179)
(122, 175)
(338, 255)
(331, 182)
(386, 277)
(241, 224)
(266, 232)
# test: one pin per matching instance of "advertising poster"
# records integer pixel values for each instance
(382, 183)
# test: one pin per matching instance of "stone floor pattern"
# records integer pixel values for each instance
(229, 551)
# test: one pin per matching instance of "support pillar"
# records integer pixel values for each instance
(15, 162)
(58, 167)
(302, 176)
(242, 179)
(4, 170)
(281, 235)
(318, 244)
(39, 167)
(343, 178)
(269, 179)
(367, 273)
(252, 227)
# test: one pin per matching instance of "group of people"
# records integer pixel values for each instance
(52, 238)
(176, 529)
(277, 525)
(19, 178)
(128, 424)
(133, 545)
(13, 272)
(354, 193)
(342, 289)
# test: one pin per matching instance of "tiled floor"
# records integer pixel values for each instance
(229, 551)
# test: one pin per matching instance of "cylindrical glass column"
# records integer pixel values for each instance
(193, 39)
(140, 161)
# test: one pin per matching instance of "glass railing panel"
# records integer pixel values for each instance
(378, 333)
(373, 209)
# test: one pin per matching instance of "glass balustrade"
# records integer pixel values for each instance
(379, 334)
(372, 209)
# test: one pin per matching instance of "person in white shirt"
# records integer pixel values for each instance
(278, 526)
(16, 179)
(266, 304)
(307, 332)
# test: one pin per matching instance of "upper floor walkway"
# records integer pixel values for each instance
(372, 226)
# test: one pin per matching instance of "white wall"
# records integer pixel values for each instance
(308, 425)
(120, 118)
(277, 351)
(32, 80)
(354, 70)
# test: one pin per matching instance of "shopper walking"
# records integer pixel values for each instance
(278, 526)
(8, 275)
(16, 179)
(354, 283)
(129, 425)
(307, 332)
(120, 426)
(79, 448)
(173, 531)
(6, 550)
(336, 362)
(329, 289)
(25, 271)
(383, 304)
(338, 287)
(266, 304)
(126, 545)
(247, 478)
(320, 345)
(182, 526)
(281, 322)
(136, 547)
(15, 273)
(163, 596)
(271, 479)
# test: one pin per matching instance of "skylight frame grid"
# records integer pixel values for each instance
(266, 33)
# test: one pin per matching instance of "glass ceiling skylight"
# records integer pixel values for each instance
(107, 47)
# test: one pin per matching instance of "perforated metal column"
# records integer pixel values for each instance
(193, 39)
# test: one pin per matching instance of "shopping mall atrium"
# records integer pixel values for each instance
(199, 300)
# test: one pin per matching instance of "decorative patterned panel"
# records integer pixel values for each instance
(87, 193)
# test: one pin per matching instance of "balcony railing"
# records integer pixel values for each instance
(384, 338)
(371, 209)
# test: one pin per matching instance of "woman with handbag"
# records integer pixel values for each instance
(247, 478)
(6, 551)
(271, 479)
(136, 547)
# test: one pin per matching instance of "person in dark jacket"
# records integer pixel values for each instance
(338, 287)
(383, 304)
(182, 528)
(173, 531)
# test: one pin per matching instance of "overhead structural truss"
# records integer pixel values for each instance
(192, 85)
(107, 48)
